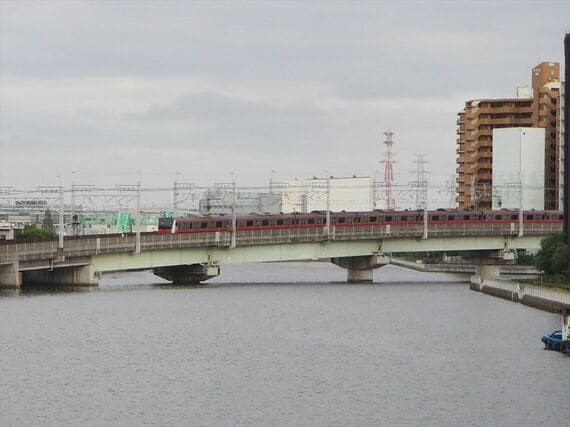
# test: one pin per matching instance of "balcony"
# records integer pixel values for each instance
(507, 121)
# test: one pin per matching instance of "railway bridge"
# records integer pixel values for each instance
(193, 257)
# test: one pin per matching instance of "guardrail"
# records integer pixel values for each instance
(548, 299)
(548, 294)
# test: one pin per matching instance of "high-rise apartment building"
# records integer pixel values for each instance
(537, 108)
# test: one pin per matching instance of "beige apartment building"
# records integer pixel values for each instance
(539, 107)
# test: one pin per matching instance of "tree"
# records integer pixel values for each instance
(47, 223)
(32, 231)
(553, 258)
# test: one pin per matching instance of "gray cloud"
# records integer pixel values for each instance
(250, 87)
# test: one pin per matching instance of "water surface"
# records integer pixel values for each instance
(278, 344)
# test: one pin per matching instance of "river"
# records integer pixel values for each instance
(278, 345)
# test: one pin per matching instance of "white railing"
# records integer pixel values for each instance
(523, 290)
(549, 294)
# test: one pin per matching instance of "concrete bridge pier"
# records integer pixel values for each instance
(488, 270)
(80, 276)
(360, 269)
(188, 274)
(489, 265)
(10, 276)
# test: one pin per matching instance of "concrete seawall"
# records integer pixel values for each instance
(461, 268)
(544, 299)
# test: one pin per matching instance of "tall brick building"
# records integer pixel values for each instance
(539, 108)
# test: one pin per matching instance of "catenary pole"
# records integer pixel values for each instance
(566, 198)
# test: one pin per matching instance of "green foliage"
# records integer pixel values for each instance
(32, 232)
(47, 223)
(524, 258)
(553, 258)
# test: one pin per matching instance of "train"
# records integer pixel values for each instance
(318, 219)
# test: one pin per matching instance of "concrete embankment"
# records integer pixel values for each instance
(545, 299)
(461, 268)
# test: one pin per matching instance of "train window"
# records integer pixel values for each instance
(265, 222)
(498, 216)
(465, 217)
(451, 217)
(249, 223)
(204, 225)
(195, 225)
(529, 216)
(279, 222)
(341, 220)
(372, 219)
(218, 224)
(311, 220)
(514, 216)
(435, 218)
(403, 218)
(388, 219)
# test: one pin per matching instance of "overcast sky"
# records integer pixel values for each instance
(105, 89)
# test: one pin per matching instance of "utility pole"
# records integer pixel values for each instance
(175, 195)
(138, 220)
(425, 235)
(389, 170)
(234, 216)
(472, 195)
(566, 198)
(271, 191)
(73, 214)
(452, 192)
(420, 183)
(328, 214)
(61, 213)
(521, 172)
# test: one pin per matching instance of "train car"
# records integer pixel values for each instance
(392, 220)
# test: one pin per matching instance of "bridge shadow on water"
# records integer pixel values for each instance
(247, 276)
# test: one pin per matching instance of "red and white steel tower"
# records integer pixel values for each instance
(389, 170)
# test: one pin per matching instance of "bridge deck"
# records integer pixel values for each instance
(111, 244)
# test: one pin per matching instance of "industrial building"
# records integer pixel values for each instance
(537, 107)
(340, 194)
(220, 202)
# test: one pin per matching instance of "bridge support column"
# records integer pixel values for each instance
(81, 276)
(10, 276)
(488, 270)
(360, 269)
(188, 274)
(488, 263)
